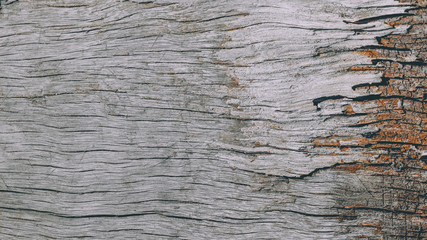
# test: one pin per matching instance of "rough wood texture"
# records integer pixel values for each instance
(212, 119)
(395, 172)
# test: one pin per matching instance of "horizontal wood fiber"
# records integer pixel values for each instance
(186, 119)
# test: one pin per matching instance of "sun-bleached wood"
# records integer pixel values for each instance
(180, 119)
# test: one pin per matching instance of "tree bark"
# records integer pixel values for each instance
(193, 119)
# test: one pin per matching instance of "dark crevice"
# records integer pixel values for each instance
(305, 214)
(413, 63)
(365, 98)
(303, 176)
(372, 19)
(81, 216)
(316, 101)
(376, 209)
(384, 82)
(368, 47)
(6, 2)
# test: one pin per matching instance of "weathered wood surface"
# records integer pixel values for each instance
(210, 120)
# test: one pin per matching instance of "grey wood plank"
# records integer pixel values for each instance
(181, 119)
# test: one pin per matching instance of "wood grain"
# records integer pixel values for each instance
(194, 120)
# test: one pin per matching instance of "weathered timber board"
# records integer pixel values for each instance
(191, 120)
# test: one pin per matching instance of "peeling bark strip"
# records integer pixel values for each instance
(212, 119)
(396, 151)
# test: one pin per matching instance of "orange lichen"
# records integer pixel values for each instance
(353, 168)
(372, 53)
(233, 28)
(329, 141)
(377, 226)
(345, 149)
(355, 206)
(235, 83)
(349, 110)
(401, 21)
(363, 68)
(350, 168)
